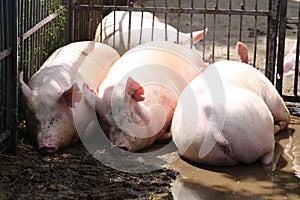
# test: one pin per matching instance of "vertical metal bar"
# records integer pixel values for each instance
(204, 24)
(153, 19)
(129, 29)
(12, 74)
(68, 25)
(241, 20)
(141, 32)
(178, 21)
(191, 25)
(229, 31)
(214, 31)
(255, 35)
(166, 21)
(1, 66)
(281, 44)
(297, 57)
(272, 39)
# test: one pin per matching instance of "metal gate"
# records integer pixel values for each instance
(289, 33)
(31, 30)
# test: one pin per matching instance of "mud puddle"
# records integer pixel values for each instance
(280, 180)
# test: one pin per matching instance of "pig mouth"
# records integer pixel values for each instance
(48, 148)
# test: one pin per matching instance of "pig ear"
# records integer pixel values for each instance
(91, 97)
(199, 35)
(27, 92)
(242, 52)
(134, 90)
(72, 95)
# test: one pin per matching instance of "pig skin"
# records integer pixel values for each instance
(252, 109)
(129, 92)
(54, 91)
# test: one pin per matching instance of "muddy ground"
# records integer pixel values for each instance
(74, 173)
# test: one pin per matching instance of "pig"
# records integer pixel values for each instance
(136, 100)
(144, 27)
(289, 62)
(228, 115)
(55, 89)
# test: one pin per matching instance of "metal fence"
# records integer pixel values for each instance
(289, 32)
(31, 30)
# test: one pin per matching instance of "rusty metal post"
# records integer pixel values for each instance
(272, 39)
(11, 73)
(281, 44)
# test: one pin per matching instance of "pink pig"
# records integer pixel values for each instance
(238, 111)
(290, 61)
(136, 100)
(144, 27)
(54, 90)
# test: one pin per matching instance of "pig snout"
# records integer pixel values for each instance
(48, 147)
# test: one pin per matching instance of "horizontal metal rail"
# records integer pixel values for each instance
(5, 53)
(177, 10)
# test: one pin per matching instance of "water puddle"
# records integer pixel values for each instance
(280, 180)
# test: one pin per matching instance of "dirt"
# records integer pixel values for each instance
(73, 173)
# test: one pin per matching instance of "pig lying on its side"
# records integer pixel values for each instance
(238, 128)
(144, 27)
(137, 98)
(290, 61)
(55, 88)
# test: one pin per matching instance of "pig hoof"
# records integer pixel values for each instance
(268, 158)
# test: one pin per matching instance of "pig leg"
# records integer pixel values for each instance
(278, 109)
(267, 158)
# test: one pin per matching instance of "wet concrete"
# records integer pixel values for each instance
(279, 180)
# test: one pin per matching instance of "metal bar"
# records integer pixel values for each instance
(291, 98)
(5, 53)
(255, 36)
(176, 10)
(281, 44)
(229, 31)
(297, 57)
(11, 87)
(272, 39)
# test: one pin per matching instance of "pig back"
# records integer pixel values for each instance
(161, 62)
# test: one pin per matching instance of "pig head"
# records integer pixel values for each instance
(54, 91)
(49, 118)
(136, 100)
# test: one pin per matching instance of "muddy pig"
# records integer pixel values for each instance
(55, 89)
(136, 100)
(144, 27)
(236, 118)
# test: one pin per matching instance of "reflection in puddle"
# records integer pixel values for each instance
(280, 180)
